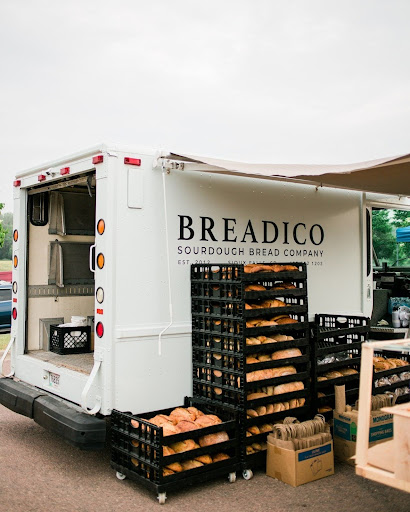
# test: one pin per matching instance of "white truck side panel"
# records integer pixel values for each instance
(144, 379)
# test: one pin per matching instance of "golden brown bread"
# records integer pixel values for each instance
(251, 360)
(254, 288)
(288, 387)
(209, 439)
(179, 413)
(191, 464)
(261, 410)
(252, 413)
(187, 426)
(169, 429)
(160, 419)
(220, 456)
(167, 450)
(207, 420)
(272, 303)
(176, 467)
(398, 362)
(167, 472)
(253, 341)
(347, 371)
(184, 446)
(266, 427)
(205, 459)
(255, 396)
(333, 374)
(284, 354)
(254, 430)
(284, 321)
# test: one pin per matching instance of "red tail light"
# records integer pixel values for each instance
(14, 313)
(41, 177)
(64, 171)
(98, 159)
(132, 161)
(16, 183)
(99, 329)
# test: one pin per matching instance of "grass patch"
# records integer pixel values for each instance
(5, 265)
(4, 340)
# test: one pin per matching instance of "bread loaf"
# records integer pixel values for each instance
(217, 437)
(254, 430)
(205, 459)
(253, 341)
(254, 288)
(180, 413)
(167, 450)
(191, 464)
(176, 467)
(167, 472)
(255, 396)
(288, 387)
(333, 374)
(347, 371)
(220, 456)
(252, 413)
(169, 429)
(160, 419)
(262, 358)
(251, 360)
(184, 446)
(398, 362)
(284, 354)
(207, 420)
(187, 426)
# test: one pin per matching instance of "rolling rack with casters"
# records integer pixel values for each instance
(242, 357)
(141, 451)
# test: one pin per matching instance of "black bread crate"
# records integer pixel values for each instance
(70, 340)
(140, 450)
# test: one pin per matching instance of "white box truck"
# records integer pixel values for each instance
(109, 234)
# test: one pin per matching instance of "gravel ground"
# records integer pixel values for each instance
(40, 472)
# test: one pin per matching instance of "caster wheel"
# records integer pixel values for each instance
(120, 476)
(247, 474)
(162, 496)
(232, 478)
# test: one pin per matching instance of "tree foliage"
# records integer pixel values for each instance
(2, 230)
(6, 220)
(384, 223)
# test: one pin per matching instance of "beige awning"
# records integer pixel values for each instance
(385, 175)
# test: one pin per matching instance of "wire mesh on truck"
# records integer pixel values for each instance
(165, 457)
(250, 341)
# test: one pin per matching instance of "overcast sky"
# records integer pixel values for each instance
(296, 81)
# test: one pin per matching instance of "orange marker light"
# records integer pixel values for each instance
(100, 260)
(15, 261)
(15, 235)
(101, 227)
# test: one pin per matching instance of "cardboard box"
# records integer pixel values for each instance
(345, 432)
(301, 466)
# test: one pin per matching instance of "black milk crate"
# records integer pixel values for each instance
(70, 340)
(229, 308)
(137, 448)
(336, 345)
(253, 442)
(227, 345)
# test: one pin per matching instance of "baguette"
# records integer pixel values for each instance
(284, 354)
(254, 288)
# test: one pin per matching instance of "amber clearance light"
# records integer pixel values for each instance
(101, 226)
(100, 260)
(15, 261)
(15, 235)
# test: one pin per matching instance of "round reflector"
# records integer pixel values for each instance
(14, 313)
(15, 261)
(99, 294)
(99, 329)
(15, 235)
(101, 226)
(100, 260)
(14, 286)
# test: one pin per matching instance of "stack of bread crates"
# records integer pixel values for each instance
(336, 357)
(250, 336)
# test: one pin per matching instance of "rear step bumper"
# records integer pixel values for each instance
(68, 421)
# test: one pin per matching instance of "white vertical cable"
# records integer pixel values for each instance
(168, 264)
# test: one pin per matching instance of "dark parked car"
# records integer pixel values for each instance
(5, 307)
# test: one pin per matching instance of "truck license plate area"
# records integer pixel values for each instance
(54, 380)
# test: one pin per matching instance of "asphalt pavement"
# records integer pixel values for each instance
(40, 472)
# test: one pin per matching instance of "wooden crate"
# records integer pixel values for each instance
(387, 463)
